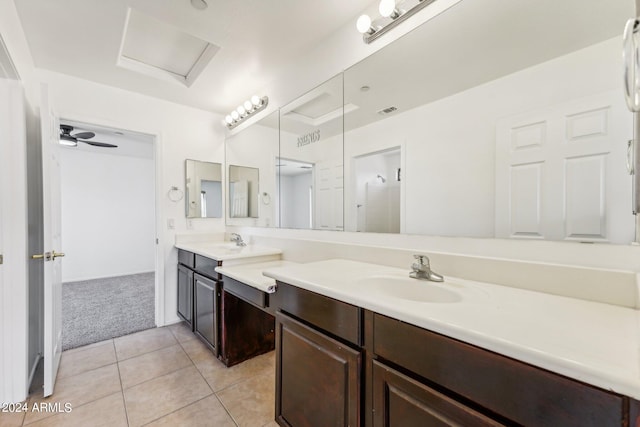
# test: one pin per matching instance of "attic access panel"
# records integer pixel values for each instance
(160, 50)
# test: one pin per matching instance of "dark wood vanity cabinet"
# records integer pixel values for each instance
(318, 377)
(233, 319)
(206, 310)
(185, 294)
(198, 296)
(340, 365)
(318, 360)
(247, 328)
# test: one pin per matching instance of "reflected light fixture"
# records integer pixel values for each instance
(245, 110)
(388, 10)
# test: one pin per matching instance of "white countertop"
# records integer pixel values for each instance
(251, 274)
(223, 251)
(596, 343)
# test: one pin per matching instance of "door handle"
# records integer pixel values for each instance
(46, 256)
(57, 255)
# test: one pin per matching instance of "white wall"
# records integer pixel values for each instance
(108, 214)
(294, 196)
(181, 133)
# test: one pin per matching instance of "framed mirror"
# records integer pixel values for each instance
(251, 155)
(203, 184)
(310, 163)
(517, 132)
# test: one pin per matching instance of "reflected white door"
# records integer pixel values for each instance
(49, 128)
(329, 195)
(561, 172)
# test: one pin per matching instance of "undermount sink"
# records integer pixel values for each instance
(409, 289)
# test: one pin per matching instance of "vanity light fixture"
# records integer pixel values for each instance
(244, 110)
(388, 10)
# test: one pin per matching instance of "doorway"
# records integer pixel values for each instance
(377, 183)
(295, 192)
(108, 232)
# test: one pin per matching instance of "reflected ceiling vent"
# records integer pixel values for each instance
(159, 50)
(387, 110)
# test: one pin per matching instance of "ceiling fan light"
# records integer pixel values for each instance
(68, 141)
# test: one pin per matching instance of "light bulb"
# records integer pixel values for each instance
(363, 24)
(387, 7)
(255, 100)
(248, 105)
(228, 119)
(241, 110)
(235, 115)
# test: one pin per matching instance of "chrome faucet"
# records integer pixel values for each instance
(235, 237)
(422, 270)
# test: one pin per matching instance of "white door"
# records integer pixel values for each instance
(561, 172)
(49, 128)
(329, 195)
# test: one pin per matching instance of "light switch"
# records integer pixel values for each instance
(171, 224)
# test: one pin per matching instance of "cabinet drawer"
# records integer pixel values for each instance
(186, 258)
(245, 292)
(338, 318)
(206, 266)
(515, 390)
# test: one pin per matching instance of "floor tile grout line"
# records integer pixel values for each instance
(146, 352)
(180, 408)
(124, 402)
(209, 385)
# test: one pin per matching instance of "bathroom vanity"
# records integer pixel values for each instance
(229, 316)
(402, 356)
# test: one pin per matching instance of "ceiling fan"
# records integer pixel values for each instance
(72, 140)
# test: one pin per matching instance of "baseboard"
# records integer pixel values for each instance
(105, 277)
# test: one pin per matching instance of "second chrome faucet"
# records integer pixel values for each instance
(422, 270)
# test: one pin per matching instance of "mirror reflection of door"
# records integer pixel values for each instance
(377, 182)
(243, 191)
(295, 192)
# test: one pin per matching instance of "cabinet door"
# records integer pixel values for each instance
(399, 401)
(206, 309)
(185, 294)
(317, 378)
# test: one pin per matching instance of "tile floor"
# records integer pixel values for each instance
(158, 377)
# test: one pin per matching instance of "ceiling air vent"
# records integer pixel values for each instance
(387, 110)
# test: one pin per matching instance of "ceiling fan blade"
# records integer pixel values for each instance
(98, 144)
(84, 135)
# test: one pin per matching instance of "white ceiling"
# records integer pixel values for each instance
(257, 38)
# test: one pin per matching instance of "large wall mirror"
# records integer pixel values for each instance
(203, 183)
(494, 119)
(310, 163)
(251, 156)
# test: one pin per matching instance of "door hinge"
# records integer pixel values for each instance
(1, 259)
